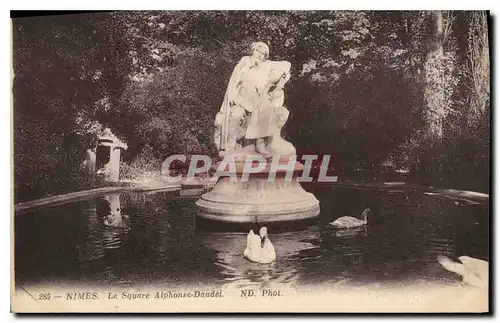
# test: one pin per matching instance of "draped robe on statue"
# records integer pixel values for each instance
(256, 86)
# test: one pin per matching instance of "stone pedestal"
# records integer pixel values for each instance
(258, 199)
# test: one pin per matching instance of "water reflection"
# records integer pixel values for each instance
(112, 214)
(106, 228)
(159, 243)
(241, 273)
(351, 232)
(92, 248)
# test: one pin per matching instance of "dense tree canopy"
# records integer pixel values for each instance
(370, 88)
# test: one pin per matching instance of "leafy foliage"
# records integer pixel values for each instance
(62, 69)
(361, 89)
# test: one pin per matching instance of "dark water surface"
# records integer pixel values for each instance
(71, 244)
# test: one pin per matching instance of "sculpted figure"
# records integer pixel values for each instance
(276, 145)
(254, 91)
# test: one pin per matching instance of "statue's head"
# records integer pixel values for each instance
(260, 50)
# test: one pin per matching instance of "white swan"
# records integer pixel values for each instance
(268, 254)
(117, 221)
(347, 222)
(253, 249)
(474, 271)
(259, 249)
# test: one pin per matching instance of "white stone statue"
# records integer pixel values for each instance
(249, 123)
(249, 110)
(276, 145)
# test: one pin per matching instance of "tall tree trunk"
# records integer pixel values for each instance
(479, 63)
(435, 87)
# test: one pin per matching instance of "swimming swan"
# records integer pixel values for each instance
(259, 249)
(253, 249)
(474, 271)
(268, 254)
(347, 222)
(121, 222)
(116, 220)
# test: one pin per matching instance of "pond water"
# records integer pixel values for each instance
(70, 243)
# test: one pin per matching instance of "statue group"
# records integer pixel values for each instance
(252, 113)
(249, 122)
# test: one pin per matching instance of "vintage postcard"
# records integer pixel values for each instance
(251, 161)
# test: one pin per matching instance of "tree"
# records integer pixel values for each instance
(439, 74)
(61, 72)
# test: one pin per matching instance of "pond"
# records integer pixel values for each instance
(70, 244)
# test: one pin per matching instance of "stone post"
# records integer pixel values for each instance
(111, 168)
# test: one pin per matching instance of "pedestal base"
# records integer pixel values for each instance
(257, 201)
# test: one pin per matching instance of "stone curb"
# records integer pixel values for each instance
(76, 196)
